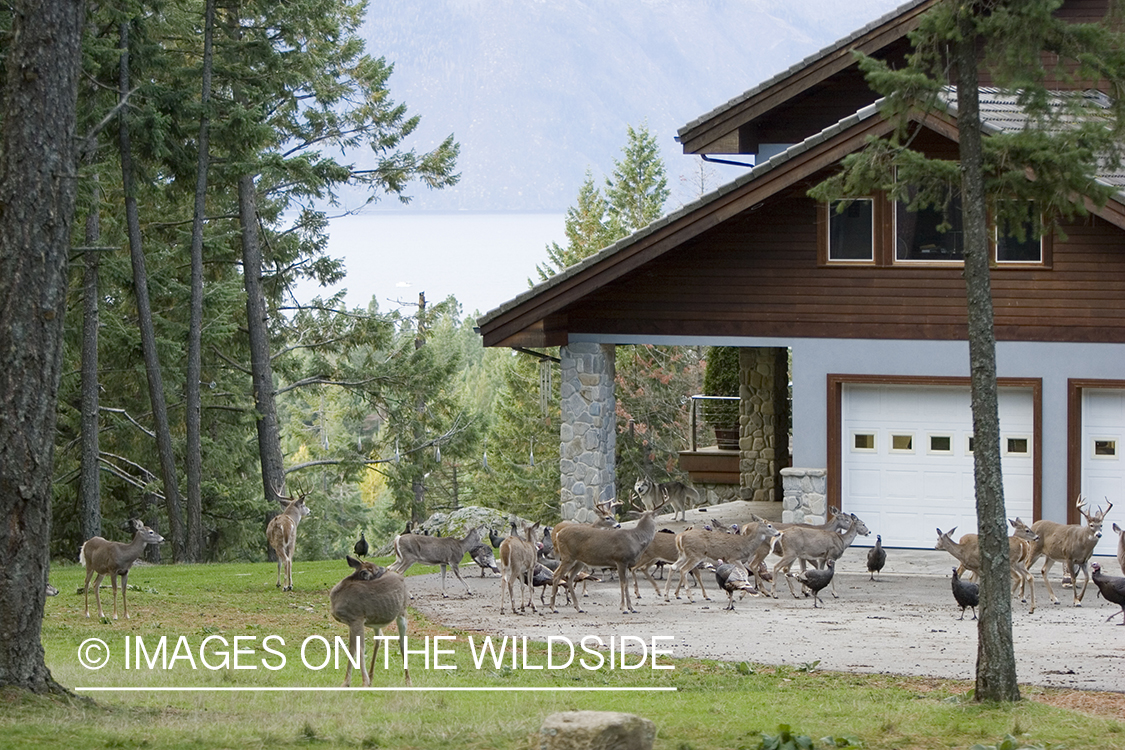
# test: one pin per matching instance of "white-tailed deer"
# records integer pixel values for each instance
(1071, 544)
(446, 552)
(605, 510)
(698, 545)
(967, 552)
(581, 544)
(677, 494)
(517, 561)
(102, 556)
(371, 597)
(281, 533)
(662, 548)
(817, 546)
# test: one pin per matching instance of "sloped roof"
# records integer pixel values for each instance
(999, 112)
(876, 34)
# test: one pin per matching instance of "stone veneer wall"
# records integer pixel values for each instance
(805, 497)
(588, 434)
(763, 421)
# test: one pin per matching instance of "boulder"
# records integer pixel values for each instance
(596, 730)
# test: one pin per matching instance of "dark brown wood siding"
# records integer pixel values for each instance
(757, 275)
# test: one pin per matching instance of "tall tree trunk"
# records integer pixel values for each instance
(42, 57)
(194, 401)
(89, 484)
(418, 509)
(144, 318)
(257, 323)
(996, 662)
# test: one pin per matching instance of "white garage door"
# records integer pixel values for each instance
(1103, 472)
(908, 462)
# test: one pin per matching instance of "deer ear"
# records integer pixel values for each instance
(354, 562)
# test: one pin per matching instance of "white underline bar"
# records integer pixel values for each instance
(560, 689)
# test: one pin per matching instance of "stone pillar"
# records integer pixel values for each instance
(763, 379)
(806, 496)
(588, 434)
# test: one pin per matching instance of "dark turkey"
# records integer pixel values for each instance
(733, 577)
(1112, 588)
(482, 556)
(495, 539)
(876, 557)
(547, 548)
(966, 593)
(816, 579)
(361, 547)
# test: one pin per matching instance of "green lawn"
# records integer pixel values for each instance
(200, 609)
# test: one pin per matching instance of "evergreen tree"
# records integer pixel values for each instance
(587, 231)
(638, 189)
(1053, 161)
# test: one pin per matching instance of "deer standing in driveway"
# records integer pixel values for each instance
(967, 552)
(371, 597)
(698, 545)
(581, 544)
(517, 561)
(1071, 544)
(814, 545)
(282, 535)
(102, 556)
(446, 552)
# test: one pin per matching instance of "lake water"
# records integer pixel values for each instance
(483, 259)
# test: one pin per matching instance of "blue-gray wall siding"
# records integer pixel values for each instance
(814, 359)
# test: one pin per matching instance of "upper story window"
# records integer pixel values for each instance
(880, 232)
(851, 230)
(921, 236)
(1011, 248)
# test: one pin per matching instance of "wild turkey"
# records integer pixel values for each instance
(733, 577)
(482, 556)
(876, 557)
(818, 578)
(1112, 588)
(966, 593)
(547, 548)
(361, 547)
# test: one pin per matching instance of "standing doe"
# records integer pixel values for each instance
(371, 597)
(282, 535)
(102, 556)
(517, 562)
(582, 544)
(434, 550)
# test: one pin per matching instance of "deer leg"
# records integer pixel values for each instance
(443, 580)
(280, 562)
(1074, 578)
(625, 601)
(86, 588)
(401, 622)
(1047, 563)
(457, 573)
(98, 593)
(124, 604)
(113, 580)
(699, 580)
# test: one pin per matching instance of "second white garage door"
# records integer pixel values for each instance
(908, 463)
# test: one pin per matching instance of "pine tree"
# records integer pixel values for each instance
(1068, 139)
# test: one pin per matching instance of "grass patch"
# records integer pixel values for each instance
(717, 705)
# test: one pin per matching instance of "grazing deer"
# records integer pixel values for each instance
(517, 562)
(677, 494)
(695, 546)
(967, 552)
(581, 544)
(446, 552)
(102, 556)
(1071, 544)
(817, 546)
(371, 597)
(281, 533)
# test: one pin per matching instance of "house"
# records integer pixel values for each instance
(868, 305)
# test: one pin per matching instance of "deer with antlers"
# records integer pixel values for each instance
(1071, 544)
(281, 533)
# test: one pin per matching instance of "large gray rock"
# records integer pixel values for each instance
(596, 730)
